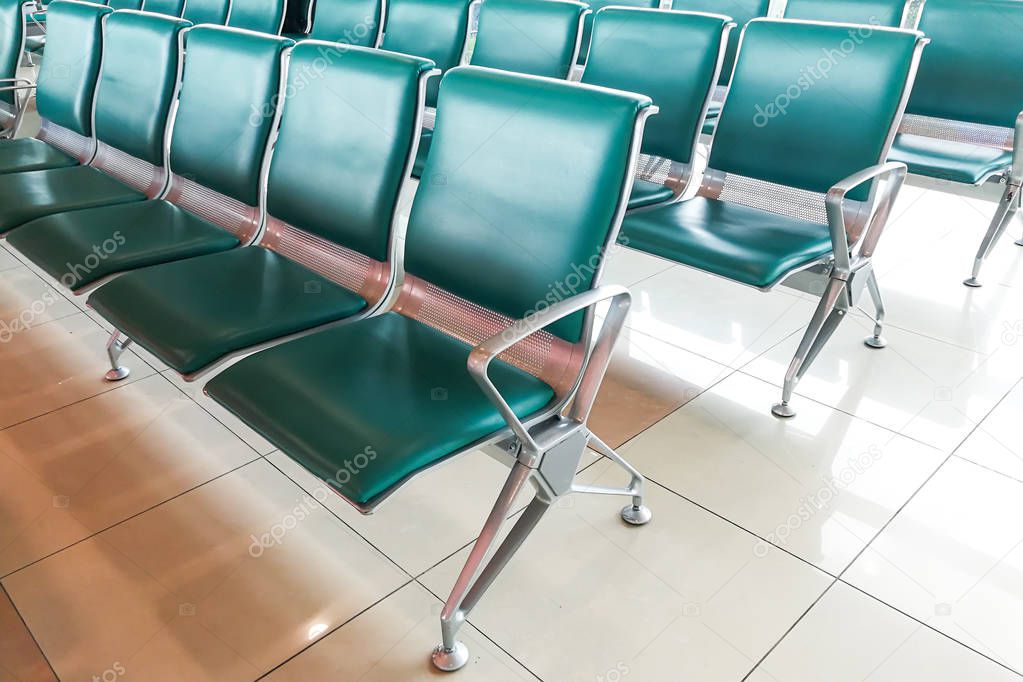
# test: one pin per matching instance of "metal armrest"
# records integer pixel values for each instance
(592, 371)
(882, 197)
(1016, 172)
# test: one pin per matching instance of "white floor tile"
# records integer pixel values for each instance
(997, 442)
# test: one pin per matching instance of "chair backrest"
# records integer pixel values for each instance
(12, 42)
(170, 8)
(741, 11)
(966, 73)
(227, 109)
(596, 6)
(536, 173)
(432, 29)
(809, 105)
(67, 77)
(346, 143)
(137, 85)
(351, 22)
(537, 37)
(124, 4)
(207, 11)
(262, 16)
(871, 12)
(629, 53)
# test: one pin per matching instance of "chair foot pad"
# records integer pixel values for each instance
(972, 282)
(783, 410)
(117, 374)
(450, 661)
(875, 341)
(636, 516)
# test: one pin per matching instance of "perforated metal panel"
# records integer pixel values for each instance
(767, 196)
(551, 359)
(429, 117)
(352, 270)
(67, 141)
(239, 219)
(957, 131)
(132, 171)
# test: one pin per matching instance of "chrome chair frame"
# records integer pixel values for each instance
(18, 85)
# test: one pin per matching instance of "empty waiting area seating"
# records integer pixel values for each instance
(205, 197)
(626, 54)
(262, 16)
(332, 203)
(963, 120)
(596, 6)
(893, 13)
(518, 377)
(349, 22)
(784, 198)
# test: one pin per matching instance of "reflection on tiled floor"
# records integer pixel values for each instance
(146, 534)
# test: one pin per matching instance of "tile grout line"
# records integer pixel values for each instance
(5, 593)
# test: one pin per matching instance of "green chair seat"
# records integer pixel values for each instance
(27, 196)
(131, 236)
(425, 140)
(744, 244)
(646, 193)
(956, 161)
(387, 387)
(29, 154)
(191, 313)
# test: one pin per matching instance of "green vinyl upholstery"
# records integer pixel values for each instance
(827, 133)
(337, 171)
(29, 154)
(12, 35)
(124, 4)
(262, 16)
(431, 29)
(741, 12)
(628, 54)
(949, 160)
(223, 122)
(536, 37)
(870, 12)
(206, 11)
(170, 8)
(964, 76)
(830, 130)
(350, 22)
(370, 387)
(744, 244)
(596, 6)
(67, 77)
(219, 93)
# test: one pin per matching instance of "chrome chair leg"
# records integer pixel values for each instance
(829, 313)
(472, 582)
(1007, 208)
(1019, 202)
(117, 344)
(876, 340)
(637, 513)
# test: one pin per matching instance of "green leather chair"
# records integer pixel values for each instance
(478, 350)
(133, 98)
(964, 122)
(796, 191)
(534, 37)
(124, 4)
(742, 12)
(596, 6)
(170, 8)
(627, 44)
(261, 16)
(207, 11)
(13, 25)
(64, 93)
(349, 22)
(436, 30)
(208, 197)
(342, 157)
(893, 13)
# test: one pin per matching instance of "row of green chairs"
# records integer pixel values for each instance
(268, 220)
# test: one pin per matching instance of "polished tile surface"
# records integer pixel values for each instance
(146, 534)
